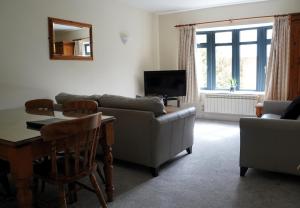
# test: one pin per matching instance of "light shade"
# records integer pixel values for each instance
(124, 37)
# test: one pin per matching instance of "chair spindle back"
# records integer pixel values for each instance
(40, 107)
(80, 108)
(78, 140)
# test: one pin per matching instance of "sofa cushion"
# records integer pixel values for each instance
(63, 97)
(270, 116)
(152, 104)
(293, 110)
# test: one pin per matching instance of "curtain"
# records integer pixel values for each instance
(78, 48)
(186, 61)
(278, 66)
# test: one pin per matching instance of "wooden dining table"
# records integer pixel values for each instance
(21, 145)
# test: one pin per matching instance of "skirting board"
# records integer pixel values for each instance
(220, 116)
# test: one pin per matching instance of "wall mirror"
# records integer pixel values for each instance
(70, 40)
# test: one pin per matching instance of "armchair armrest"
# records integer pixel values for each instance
(275, 107)
(265, 125)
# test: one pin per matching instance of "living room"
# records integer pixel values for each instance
(130, 37)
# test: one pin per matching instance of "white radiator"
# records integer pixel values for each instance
(230, 104)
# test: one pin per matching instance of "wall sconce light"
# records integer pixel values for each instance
(124, 37)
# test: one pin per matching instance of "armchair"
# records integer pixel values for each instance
(270, 143)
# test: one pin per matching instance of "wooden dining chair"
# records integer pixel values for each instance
(81, 108)
(78, 140)
(40, 107)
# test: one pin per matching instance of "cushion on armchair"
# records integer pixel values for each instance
(293, 110)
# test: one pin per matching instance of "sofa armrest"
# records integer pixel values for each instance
(191, 111)
(275, 107)
(172, 133)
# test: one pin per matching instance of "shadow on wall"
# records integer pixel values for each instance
(13, 96)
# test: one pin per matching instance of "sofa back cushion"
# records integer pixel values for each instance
(293, 110)
(63, 97)
(152, 104)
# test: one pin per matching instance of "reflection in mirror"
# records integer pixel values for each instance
(70, 40)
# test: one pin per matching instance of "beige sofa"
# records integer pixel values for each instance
(144, 133)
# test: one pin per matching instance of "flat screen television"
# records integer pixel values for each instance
(169, 83)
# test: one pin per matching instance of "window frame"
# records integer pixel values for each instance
(262, 42)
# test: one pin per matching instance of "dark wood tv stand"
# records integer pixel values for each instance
(166, 99)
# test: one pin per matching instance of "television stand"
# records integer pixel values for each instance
(166, 99)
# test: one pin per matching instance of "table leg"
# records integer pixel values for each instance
(108, 160)
(21, 169)
(72, 197)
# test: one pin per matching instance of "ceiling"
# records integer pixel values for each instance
(59, 27)
(169, 6)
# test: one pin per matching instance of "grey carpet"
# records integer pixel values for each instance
(208, 178)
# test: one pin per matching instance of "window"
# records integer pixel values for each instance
(87, 49)
(248, 63)
(202, 66)
(239, 54)
(269, 37)
(223, 66)
(201, 60)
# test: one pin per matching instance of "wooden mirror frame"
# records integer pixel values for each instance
(54, 56)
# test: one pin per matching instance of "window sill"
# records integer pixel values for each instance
(228, 92)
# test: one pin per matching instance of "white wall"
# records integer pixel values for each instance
(168, 34)
(26, 72)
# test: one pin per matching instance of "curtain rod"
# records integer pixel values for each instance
(81, 39)
(229, 20)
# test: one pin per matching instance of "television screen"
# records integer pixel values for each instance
(170, 83)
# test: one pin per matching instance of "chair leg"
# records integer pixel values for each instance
(5, 183)
(243, 171)
(43, 186)
(35, 189)
(189, 150)
(72, 194)
(98, 191)
(155, 171)
(100, 173)
(62, 197)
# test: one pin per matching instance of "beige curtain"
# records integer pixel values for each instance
(186, 61)
(278, 66)
(78, 48)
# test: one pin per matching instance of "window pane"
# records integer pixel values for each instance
(201, 38)
(248, 35)
(269, 33)
(223, 66)
(202, 67)
(223, 37)
(248, 65)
